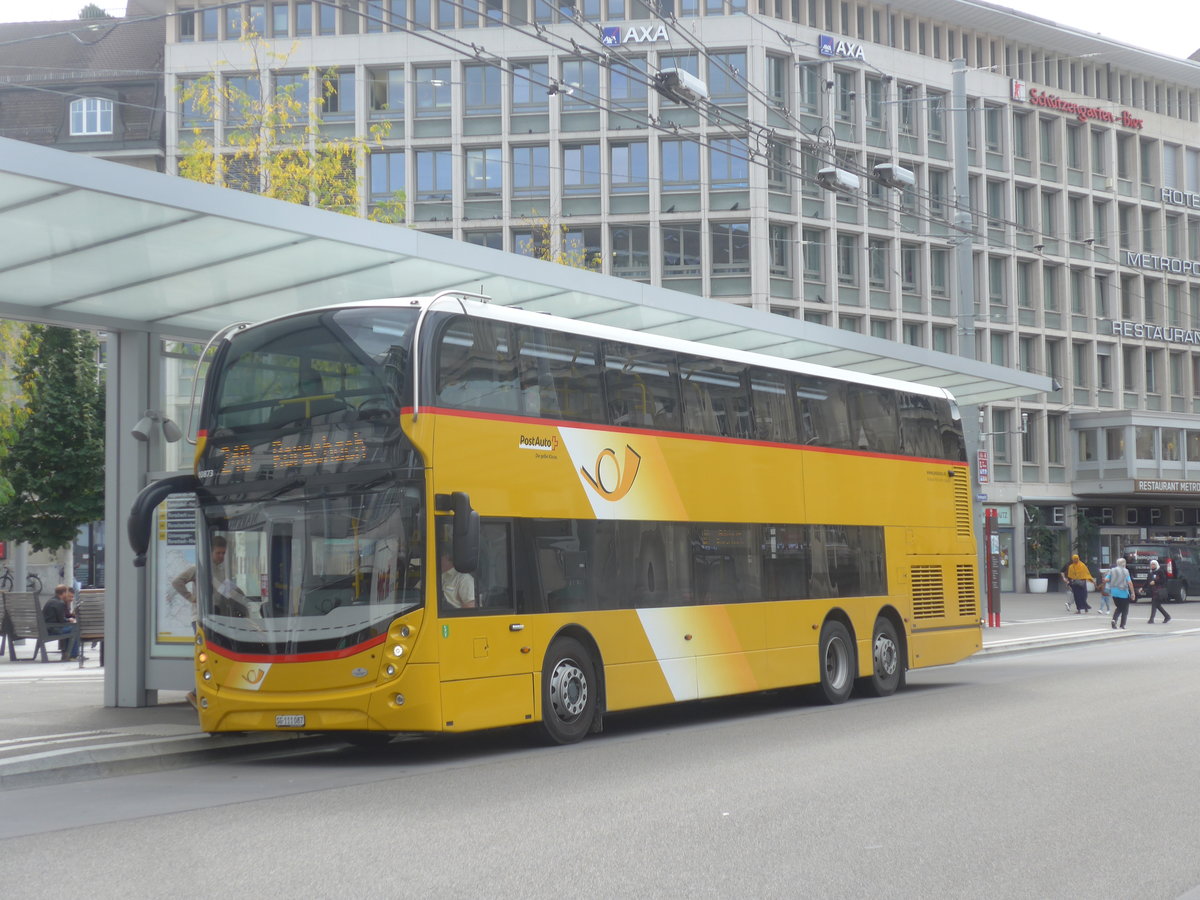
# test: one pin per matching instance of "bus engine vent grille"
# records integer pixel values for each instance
(962, 506)
(929, 597)
(968, 592)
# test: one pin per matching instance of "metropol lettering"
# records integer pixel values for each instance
(1156, 263)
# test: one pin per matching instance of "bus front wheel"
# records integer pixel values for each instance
(837, 662)
(887, 674)
(568, 691)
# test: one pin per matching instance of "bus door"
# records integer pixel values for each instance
(487, 678)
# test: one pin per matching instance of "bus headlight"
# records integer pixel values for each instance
(397, 650)
(207, 675)
(399, 699)
(405, 631)
(391, 670)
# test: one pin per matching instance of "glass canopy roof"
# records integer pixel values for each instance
(96, 244)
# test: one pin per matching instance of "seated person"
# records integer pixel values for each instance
(59, 615)
(458, 588)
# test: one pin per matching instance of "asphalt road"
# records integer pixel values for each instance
(1057, 773)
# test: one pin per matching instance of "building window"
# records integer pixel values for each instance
(1143, 441)
(91, 115)
(581, 168)
(630, 251)
(910, 268)
(484, 172)
(847, 259)
(531, 171)
(939, 267)
(581, 247)
(493, 239)
(387, 92)
(726, 74)
(433, 94)
(878, 263)
(1054, 442)
(681, 249)
(781, 251)
(730, 248)
(434, 175)
(937, 116)
(813, 241)
(387, 174)
(680, 165)
(779, 71)
(337, 100)
(728, 163)
(629, 167)
(779, 162)
(627, 82)
(582, 78)
(529, 83)
(483, 90)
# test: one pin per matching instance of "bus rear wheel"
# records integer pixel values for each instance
(887, 674)
(568, 692)
(837, 662)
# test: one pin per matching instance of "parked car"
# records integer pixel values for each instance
(1181, 559)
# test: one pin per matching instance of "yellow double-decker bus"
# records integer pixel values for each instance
(439, 514)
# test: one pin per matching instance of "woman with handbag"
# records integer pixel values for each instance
(1121, 589)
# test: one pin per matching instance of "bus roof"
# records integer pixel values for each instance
(460, 302)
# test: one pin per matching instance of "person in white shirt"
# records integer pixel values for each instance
(457, 587)
(223, 587)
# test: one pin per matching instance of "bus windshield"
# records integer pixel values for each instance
(336, 367)
(313, 575)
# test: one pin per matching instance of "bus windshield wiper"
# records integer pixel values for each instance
(285, 488)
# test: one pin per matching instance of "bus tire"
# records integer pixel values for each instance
(837, 662)
(569, 691)
(887, 660)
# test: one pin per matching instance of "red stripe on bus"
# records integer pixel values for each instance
(683, 435)
(295, 657)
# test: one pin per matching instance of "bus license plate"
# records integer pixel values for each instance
(289, 721)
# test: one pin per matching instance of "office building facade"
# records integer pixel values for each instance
(695, 145)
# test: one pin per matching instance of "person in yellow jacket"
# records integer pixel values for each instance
(1076, 574)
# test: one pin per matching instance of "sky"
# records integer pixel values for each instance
(1167, 26)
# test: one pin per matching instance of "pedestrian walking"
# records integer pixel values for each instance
(1077, 575)
(1156, 589)
(1121, 589)
(1105, 594)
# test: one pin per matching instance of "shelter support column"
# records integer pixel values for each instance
(126, 464)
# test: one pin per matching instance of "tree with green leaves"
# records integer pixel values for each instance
(55, 462)
(92, 11)
(274, 143)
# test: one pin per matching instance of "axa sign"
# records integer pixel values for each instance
(615, 35)
(831, 46)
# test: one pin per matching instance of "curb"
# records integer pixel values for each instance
(132, 757)
(1039, 642)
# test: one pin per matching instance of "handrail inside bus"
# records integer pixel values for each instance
(196, 378)
(416, 357)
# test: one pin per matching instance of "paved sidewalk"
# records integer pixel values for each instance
(55, 728)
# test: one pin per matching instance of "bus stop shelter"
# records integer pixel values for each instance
(147, 257)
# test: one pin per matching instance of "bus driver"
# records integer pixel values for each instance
(228, 598)
(457, 587)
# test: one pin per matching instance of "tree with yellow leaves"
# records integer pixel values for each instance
(275, 142)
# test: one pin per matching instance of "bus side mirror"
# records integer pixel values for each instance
(466, 533)
(141, 514)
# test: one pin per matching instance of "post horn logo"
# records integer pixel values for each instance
(613, 479)
(254, 676)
